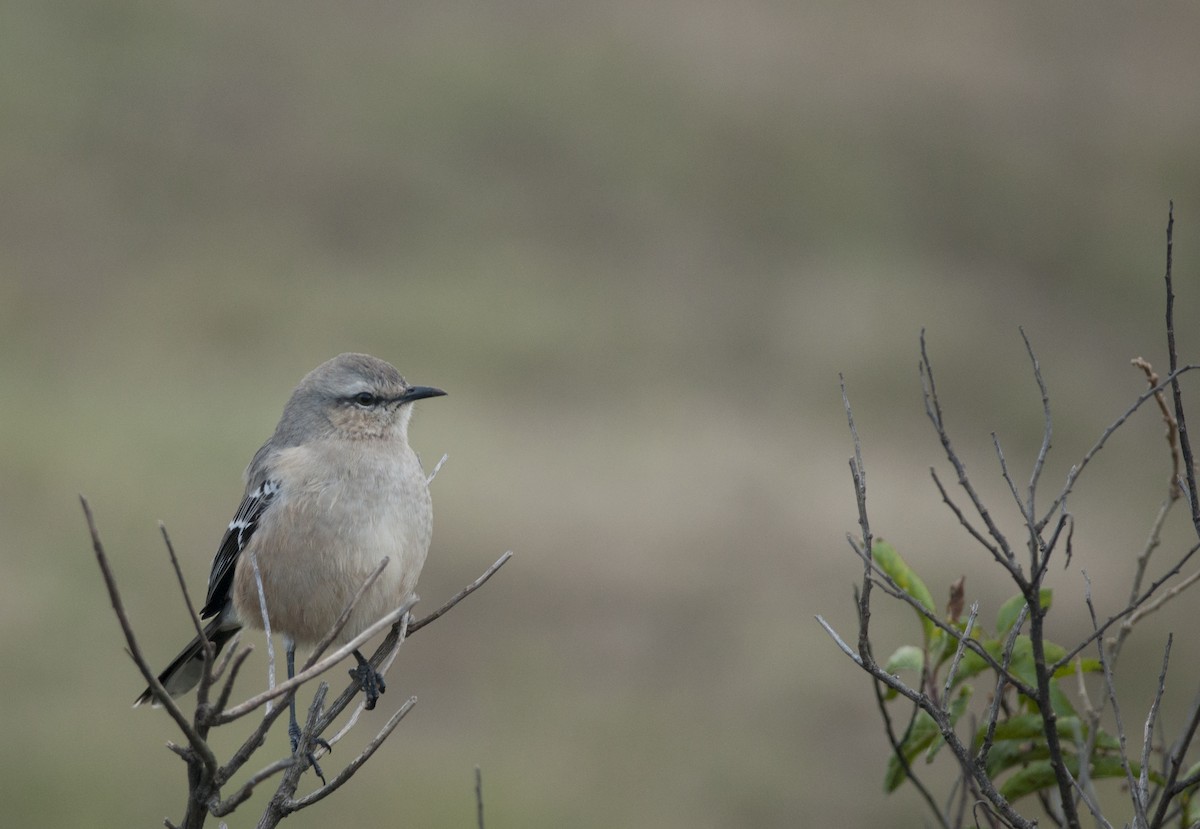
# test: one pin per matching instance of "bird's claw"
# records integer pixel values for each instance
(294, 735)
(371, 682)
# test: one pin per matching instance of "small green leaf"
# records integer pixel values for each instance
(1009, 611)
(906, 658)
(906, 579)
(1088, 666)
(922, 733)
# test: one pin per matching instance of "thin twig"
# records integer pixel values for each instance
(933, 410)
(394, 636)
(945, 728)
(1037, 638)
(1011, 565)
(1153, 540)
(197, 623)
(220, 808)
(266, 623)
(858, 474)
(1169, 420)
(1132, 607)
(993, 716)
(958, 654)
(888, 585)
(462, 594)
(353, 766)
(1148, 731)
(897, 746)
(160, 693)
(1185, 444)
(436, 469)
(479, 797)
(1148, 608)
(314, 671)
(1075, 471)
(235, 657)
(1047, 427)
(1139, 804)
(1036, 545)
(1174, 765)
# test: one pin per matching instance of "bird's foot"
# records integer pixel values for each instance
(369, 679)
(294, 734)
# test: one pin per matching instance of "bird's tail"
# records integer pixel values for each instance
(184, 671)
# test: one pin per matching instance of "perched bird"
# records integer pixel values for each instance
(333, 491)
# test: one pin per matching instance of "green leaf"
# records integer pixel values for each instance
(923, 734)
(1088, 666)
(906, 579)
(1009, 611)
(906, 658)
(920, 735)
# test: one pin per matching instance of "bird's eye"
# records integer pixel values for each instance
(365, 398)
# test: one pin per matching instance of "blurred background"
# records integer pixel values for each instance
(636, 243)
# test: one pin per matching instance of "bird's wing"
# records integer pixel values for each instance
(241, 529)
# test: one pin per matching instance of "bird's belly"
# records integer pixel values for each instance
(316, 550)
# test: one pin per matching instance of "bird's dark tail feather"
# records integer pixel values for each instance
(184, 671)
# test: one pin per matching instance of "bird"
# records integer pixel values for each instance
(334, 490)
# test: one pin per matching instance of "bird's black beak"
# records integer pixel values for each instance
(419, 393)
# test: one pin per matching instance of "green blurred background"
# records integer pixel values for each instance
(637, 243)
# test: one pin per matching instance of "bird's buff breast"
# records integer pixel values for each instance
(339, 512)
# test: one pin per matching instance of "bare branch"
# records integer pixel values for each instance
(1143, 787)
(437, 468)
(357, 762)
(1139, 803)
(266, 622)
(933, 410)
(1011, 565)
(1077, 469)
(315, 670)
(944, 725)
(1185, 444)
(1169, 419)
(1030, 508)
(885, 583)
(993, 715)
(858, 474)
(460, 595)
(1036, 546)
(1174, 765)
(197, 624)
(194, 740)
(220, 808)
(958, 654)
(1129, 609)
(479, 797)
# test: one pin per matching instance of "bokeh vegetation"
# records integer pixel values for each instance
(636, 242)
